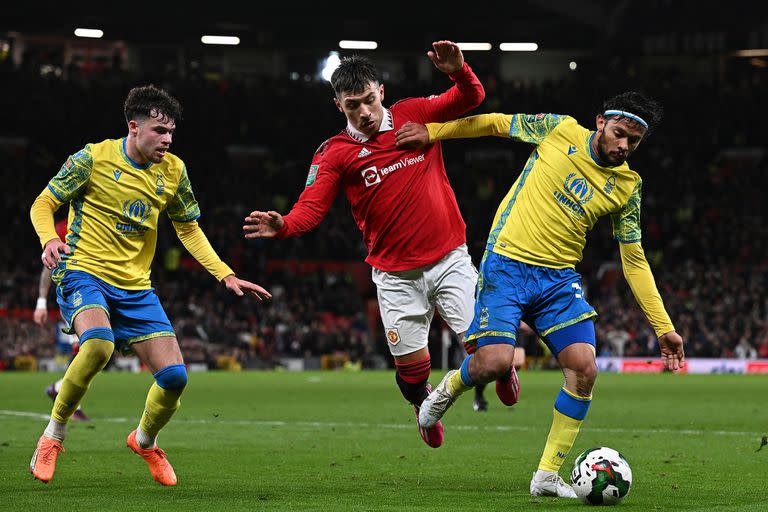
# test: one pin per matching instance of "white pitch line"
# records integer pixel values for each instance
(389, 426)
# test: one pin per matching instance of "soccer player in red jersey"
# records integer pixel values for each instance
(404, 206)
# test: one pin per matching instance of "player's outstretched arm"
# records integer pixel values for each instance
(446, 56)
(240, 287)
(638, 274)
(263, 224)
(413, 134)
(672, 352)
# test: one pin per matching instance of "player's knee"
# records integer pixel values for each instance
(584, 376)
(172, 377)
(491, 368)
(587, 371)
(98, 343)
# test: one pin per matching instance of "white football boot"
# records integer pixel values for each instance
(434, 406)
(548, 483)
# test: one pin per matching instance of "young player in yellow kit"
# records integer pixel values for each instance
(116, 190)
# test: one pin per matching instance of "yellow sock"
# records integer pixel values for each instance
(158, 409)
(569, 413)
(90, 360)
(559, 442)
(455, 385)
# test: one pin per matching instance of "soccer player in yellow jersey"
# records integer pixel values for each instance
(573, 177)
(116, 190)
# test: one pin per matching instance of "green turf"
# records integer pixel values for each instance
(347, 441)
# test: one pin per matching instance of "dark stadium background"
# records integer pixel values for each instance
(255, 113)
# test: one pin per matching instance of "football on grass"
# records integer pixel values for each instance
(601, 476)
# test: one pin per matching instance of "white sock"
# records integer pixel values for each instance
(55, 430)
(145, 441)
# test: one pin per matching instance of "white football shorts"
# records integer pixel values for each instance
(407, 299)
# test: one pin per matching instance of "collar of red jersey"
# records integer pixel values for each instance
(386, 125)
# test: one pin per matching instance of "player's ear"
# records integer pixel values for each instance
(133, 126)
(600, 122)
(381, 93)
(338, 104)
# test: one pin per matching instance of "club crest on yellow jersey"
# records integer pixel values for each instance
(159, 185)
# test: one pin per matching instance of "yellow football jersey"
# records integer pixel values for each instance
(556, 200)
(114, 208)
(562, 191)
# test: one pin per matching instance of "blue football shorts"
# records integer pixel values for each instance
(550, 300)
(135, 315)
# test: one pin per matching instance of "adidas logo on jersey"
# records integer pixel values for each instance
(363, 153)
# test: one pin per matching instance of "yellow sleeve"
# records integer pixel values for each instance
(638, 274)
(198, 246)
(471, 127)
(41, 214)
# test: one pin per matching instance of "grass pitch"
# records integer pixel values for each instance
(348, 442)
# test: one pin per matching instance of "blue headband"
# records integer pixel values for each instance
(629, 115)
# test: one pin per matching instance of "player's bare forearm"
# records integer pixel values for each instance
(45, 282)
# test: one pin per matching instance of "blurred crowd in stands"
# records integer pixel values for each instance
(247, 143)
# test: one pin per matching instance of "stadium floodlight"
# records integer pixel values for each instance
(89, 32)
(474, 47)
(329, 65)
(227, 40)
(752, 52)
(518, 47)
(350, 44)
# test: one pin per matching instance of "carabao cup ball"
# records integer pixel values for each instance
(601, 476)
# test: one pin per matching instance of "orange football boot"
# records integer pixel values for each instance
(43, 462)
(161, 469)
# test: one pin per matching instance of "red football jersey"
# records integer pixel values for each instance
(61, 229)
(401, 199)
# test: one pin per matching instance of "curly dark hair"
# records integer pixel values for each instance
(636, 103)
(150, 101)
(353, 75)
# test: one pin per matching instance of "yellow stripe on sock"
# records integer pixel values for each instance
(577, 397)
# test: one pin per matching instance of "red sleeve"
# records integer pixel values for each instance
(314, 202)
(466, 94)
